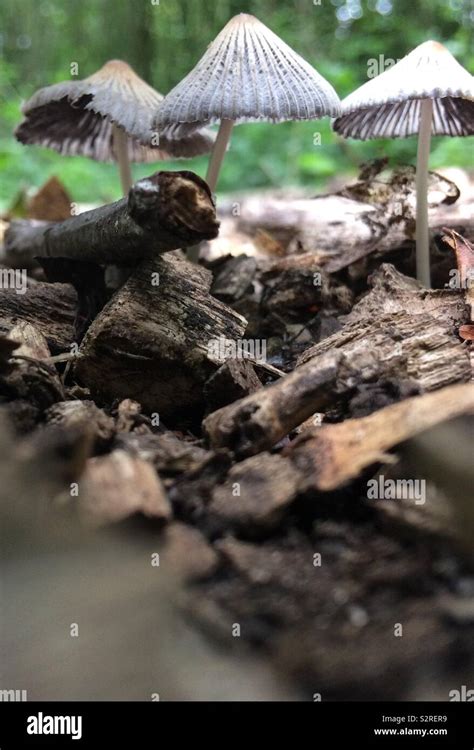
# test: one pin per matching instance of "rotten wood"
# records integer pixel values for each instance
(372, 361)
(257, 422)
(84, 416)
(235, 379)
(29, 376)
(332, 455)
(117, 486)
(153, 339)
(48, 307)
(163, 212)
(372, 216)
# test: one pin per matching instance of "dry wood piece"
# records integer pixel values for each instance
(83, 415)
(129, 416)
(163, 212)
(169, 455)
(153, 340)
(334, 454)
(255, 494)
(51, 203)
(30, 377)
(117, 486)
(260, 420)
(235, 379)
(393, 292)
(50, 308)
(464, 252)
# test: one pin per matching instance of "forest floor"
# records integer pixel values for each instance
(287, 427)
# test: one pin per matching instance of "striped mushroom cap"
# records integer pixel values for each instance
(248, 74)
(76, 118)
(388, 106)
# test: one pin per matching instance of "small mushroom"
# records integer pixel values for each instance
(107, 116)
(247, 74)
(427, 92)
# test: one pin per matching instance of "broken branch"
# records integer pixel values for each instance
(163, 212)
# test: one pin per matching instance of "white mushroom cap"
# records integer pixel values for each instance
(76, 118)
(249, 74)
(388, 106)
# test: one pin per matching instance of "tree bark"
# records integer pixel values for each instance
(163, 212)
(152, 339)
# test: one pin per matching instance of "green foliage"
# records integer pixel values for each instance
(39, 39)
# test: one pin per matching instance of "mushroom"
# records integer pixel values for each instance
(107, 116)
(427, 92)
(247, 74)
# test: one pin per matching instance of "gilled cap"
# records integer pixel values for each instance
(388, 106)
(247, 74)
(76, 118)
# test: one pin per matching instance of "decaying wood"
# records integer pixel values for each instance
(116, 486)
(163, 212)
(153, 340)
(377, 357)
(170, 456)
(464, 253)
(85, 416)
(29, 377)
(333, 454)
(340, 229)
(235, 379)
(48, 307)
(257, 422)
(393, 292)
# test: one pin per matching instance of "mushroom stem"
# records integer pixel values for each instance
(120, 139)
(422, 229)
(218, 153)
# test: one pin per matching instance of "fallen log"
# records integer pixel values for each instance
(163, 212)
(371, 216)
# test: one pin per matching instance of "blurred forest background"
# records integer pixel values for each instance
(163, 39)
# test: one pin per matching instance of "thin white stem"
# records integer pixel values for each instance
(120, 142)
(218, 153)
(422, 228)
(215, 163)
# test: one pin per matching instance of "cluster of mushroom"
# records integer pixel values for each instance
(248, 74)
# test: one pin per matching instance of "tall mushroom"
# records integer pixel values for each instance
(107, 116)
(247, 74)
(427, 92)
